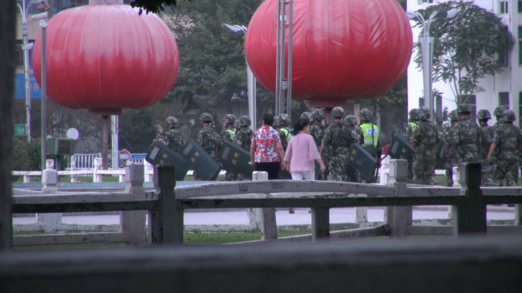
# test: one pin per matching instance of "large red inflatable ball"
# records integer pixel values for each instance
(342, 49)
(107, 57)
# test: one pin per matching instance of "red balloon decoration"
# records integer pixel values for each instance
(342, 49)
(107, 57)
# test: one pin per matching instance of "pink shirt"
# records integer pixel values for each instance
(301, 153)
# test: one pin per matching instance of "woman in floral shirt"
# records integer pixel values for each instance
(266, 150)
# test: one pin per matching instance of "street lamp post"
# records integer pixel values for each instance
(43, 26)
(26, 47)
(251, 79)
(284, 84)
(427, 51)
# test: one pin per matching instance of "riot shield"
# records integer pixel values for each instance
(202, 162)
(400, 148)
(235, 159)
(160, 154)
(362, 161)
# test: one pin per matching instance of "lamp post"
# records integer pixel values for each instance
(284, 84)
(427, 51)
(252, 107)
(26, 47)
(43, 26)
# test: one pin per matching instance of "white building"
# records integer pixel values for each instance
(501, 89)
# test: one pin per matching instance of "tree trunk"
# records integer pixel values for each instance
(7, 71)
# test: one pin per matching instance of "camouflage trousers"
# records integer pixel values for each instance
(487, 178)
(423, 167)
(449, 175)
(505, 169)
(338, 165)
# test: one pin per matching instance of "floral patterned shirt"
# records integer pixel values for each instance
(266, 139)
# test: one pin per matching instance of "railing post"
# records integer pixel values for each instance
(97, 166)
(320, 223)
(265, 218)
(133, 222)
(27, 179)
(469, 216)
(74, 179)
(51, 222)
(167, 219)
(398, 217)
(518, 215)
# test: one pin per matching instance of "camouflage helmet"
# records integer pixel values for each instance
(463, 108)
(483, 114)
(318, 114)
(307, 116)
(507, 116)
(350, 120)
(453, 116)
(424, 114)
(284, 120)
(206, 117)
(338, 112)
(244, 121)
(172, 121)
(277, 121)
(365, 115)
(414, 114)
(229, 118)
(498, 110)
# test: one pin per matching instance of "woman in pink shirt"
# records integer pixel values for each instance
(301, 153)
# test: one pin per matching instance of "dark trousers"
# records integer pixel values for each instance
(272, 168)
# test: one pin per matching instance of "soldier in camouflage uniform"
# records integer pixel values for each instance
(316, 130)
(414, 119)
(466, 137)
(207, 137)
(282, 135)
(498, 113)
(508, 140)
(487, 138)
(339, 139)
(228, 135)
(173, 138)
(285, 126)
(450, 149)
(243, 139)
(352, 122)
(425, 140)
(307, 116)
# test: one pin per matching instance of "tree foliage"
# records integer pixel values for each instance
(212, 60)
(466, 47)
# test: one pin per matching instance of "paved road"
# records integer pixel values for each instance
(238, 217)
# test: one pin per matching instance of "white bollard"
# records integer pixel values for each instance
(263, 219)
(97, 166)
(149, 171)
(50, 179)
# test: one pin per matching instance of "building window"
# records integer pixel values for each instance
(504, 5)
(503, 99)
(471, 101)
(503, 58)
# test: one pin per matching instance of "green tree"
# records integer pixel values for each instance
(212, 60)
(467, 47)
(22, 162)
